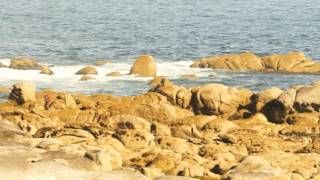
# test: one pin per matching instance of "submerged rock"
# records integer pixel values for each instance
(87, 70)
(86, 78)
(102, 62)
(145, 66)
(114, 74)
(46, 70)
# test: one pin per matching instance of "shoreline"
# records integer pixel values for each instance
(208, 132)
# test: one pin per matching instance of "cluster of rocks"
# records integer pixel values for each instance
(294, 62)
(143, 66)
(207, 132)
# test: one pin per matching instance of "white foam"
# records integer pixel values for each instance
(65, 78)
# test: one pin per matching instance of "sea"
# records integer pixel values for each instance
(70, 34)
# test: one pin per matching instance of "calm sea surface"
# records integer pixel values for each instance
(70, 33)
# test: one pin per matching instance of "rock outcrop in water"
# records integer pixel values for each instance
(294, 62)
(46, 70)
(206, 132)
(24, 63)
(145, 65)
(87, 70)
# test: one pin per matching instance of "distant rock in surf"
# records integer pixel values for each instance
(87, 70)
(145, 66)
(114, 74)
(46, 70)
(102, 62)
(87, 78)
(24, 63)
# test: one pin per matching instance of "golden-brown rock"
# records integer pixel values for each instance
(87, 70)
(24, 63)
(145, 66)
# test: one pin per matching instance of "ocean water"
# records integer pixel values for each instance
(71, 34)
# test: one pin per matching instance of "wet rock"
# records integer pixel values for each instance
(87, 78)
(46, 70)
(87, 70)
(190, 77)
(114, 74)
(102, 62)
(23, 92)
(145, 66)
(24, 63)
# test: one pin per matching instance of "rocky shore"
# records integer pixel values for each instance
(171, 132)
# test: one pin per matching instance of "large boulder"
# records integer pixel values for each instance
(23, 92)
(87, 70)
(145, 66)
(217, 99)
(244, 62)
(24, 63)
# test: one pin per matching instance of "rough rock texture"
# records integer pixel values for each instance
(24, 63)
(23, 92)
(46, 70)
(87, 70)
(171, 132)
(217, 99)
(293, 62)
(145, 65)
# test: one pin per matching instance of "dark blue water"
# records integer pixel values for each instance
(73, 31)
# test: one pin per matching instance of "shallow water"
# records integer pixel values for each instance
(72, 33)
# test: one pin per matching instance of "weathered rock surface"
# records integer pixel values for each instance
(145, 65)
(24, 63)
(294, 62)
(87, 70)
(171, 132)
